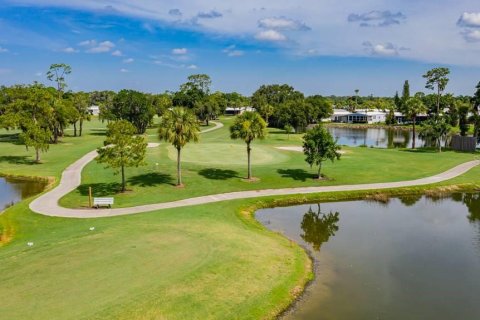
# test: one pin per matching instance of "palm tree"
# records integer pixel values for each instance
(413, 107)
(248, 126)
(179, 126)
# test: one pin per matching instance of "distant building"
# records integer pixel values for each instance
(94, 110)
(233, 111)
(364, 116)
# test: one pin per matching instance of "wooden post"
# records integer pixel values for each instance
(90, 197)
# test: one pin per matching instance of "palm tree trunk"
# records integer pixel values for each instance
(179, 169)
(413, 141)
(249, 164)
(123, 179)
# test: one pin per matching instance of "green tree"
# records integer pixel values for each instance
(33, 135)
(397, 102)
(248, 126)
(405, 92)
(318, 108)
(437, 79)
(436, 130)
(475, 111)
(319, 146)
(57, 73)
(414, 107)
(122, 148)
(135, 107)
(463, 110)
(289, 129)
(178, 127)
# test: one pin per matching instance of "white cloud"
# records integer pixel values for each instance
(231, 51)
(282, 23)
(128, 60)
(377, 18)
(469, 19)
(270, 35)
(117, 53)
(387, 49)
(179, 51)
(471, 35)
(69, 50)
(123, 70)
(2, 49)
(87, 43)
(94, 47)
(192, 66)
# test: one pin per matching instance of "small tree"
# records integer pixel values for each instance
(289, 129)
(435, 129)
(248, 126)
(36, 137)
(413, 107)
(122, 148)
(179, 126)
(319, 146)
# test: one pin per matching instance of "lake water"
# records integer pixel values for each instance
(374, 137)
(13, 190)
(413, 258)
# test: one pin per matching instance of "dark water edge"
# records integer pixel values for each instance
(13, 190)
(413, 258)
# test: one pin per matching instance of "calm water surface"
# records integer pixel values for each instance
(413, 258)
(374, 137)
(12, 190)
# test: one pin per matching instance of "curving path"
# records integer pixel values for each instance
(47, 204)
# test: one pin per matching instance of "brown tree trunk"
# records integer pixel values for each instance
(123, 179)
(81, 127)
(413, 141)
(319, 169)
(37, 155)
(74, 129)
(249, 164)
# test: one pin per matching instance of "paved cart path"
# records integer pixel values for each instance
(47, 204)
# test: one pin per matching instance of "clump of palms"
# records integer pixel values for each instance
(179, 126)
(248, 126)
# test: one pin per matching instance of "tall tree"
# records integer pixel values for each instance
(57, 73)
(81, 102)
(248, 126)
(318, 108)
(133, 106)
(406, 91)
(463, 110)
(437, 79)
(414, 107)
(122, 148)
(397, 101)
(178, 127)
(476, 110)
(319, 146)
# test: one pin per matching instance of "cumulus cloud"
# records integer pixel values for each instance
(87, 43)
(282, 23)
(270, 35)
(209, 15)
(377, 18)
(175, 12)
(102, 47)
(179, 51)
(231, 51)
(69, 50)
(128, 60)
(469, 20)
(2, 49)
(382, 49)
(192, 66)
(117, 53)
(471, 35)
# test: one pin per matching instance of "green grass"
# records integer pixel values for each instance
(204, 262)
(217, 164)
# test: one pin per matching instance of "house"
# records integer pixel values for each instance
(94, 110)
(359, 116)
(233, 111)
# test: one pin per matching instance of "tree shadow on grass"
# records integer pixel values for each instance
(421, 150)
(17, 160)
(218, 174)
(100, 189)
(296, 174)
(151, 179)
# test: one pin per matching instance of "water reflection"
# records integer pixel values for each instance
(374, 137)
(318, 227)
(14, 190)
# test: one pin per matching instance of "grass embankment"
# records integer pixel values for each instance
(217, 164)
(203, 262)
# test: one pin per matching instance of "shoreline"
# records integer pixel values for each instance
(367, 126)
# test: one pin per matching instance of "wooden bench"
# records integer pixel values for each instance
(98, 202)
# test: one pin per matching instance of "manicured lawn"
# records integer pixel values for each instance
(217, 164)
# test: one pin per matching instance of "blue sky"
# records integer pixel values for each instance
(317, 46)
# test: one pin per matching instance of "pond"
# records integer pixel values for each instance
(14, 190)
(412, 258)
(374, 137)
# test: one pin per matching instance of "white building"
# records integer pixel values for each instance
(232, 111)
(94, 110)
(363, 116)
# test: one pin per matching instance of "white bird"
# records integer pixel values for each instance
(29, 244)
(92, 228)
